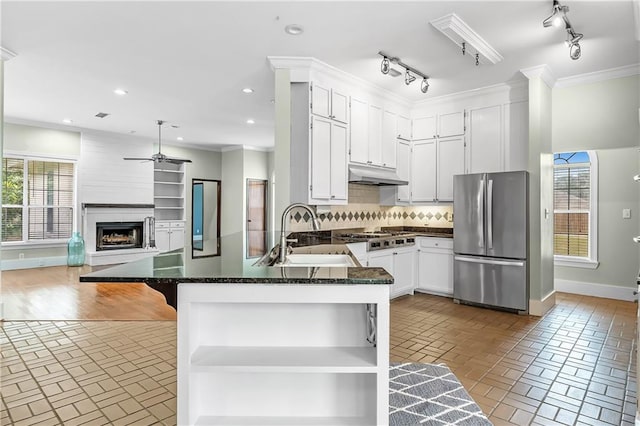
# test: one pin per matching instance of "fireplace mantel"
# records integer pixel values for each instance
(117, 206)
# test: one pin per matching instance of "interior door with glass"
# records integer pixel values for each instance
(256, 217)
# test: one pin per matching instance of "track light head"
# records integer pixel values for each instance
(424, 86)
(557, 15)
(575, 51)
(384, 67)
(408, 78)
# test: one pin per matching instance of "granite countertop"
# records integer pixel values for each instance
(165, 271)
(422, 231)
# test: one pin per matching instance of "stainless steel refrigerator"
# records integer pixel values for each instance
(491, 239)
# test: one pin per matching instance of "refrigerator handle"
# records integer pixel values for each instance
(489, 261)
(490, 214)
(481, 211)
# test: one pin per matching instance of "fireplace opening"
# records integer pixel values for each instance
(119, 235)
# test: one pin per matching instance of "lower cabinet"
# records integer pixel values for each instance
(255, 354)
(169, 235)
(400, 263)
(435, 266)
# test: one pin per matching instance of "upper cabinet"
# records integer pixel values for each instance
(329, 103)
(374, 134)
(404, 128)
(485, 140)
(439, 125)
(319, 173)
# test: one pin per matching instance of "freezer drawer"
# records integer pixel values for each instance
(491, 281)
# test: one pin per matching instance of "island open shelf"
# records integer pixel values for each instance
(283, 354)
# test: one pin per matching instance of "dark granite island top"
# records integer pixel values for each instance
(165, 271)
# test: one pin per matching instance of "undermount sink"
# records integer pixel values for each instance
(310, 260)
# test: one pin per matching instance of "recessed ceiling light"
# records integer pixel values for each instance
(180, 138)
(294, 29)
(67, 121)
(247, 90)
(251, 121)
(120, 92)
(273, 101)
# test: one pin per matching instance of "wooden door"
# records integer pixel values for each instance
(256, 217)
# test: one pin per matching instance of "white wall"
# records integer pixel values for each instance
(105, 177)
(32, 140)
(603, 116)
(204, 165)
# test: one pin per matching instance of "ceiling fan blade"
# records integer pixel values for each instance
(138, 159)
(176, 160)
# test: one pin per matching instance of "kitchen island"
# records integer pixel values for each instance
(273, 345)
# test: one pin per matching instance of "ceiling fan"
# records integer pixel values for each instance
(159, 157)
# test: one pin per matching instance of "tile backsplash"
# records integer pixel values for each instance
(364, 211)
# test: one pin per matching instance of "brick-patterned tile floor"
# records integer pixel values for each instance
(576, 365)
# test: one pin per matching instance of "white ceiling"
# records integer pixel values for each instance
(186, 62)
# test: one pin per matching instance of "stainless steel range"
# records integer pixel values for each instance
(381, 240)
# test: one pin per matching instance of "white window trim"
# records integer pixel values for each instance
(50, 243)
(590, 262)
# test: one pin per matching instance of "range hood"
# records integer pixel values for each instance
(374, 176)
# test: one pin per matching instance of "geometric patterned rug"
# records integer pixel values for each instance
(430, 394)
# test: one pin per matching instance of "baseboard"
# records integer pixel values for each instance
(36, 262)
(595, 289)
(538, 308)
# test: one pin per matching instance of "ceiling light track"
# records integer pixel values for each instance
(557, 19)
(410, 73)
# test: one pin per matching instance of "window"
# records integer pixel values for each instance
(574, 208)
(37, 200)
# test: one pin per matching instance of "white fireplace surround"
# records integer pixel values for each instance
(94, 213)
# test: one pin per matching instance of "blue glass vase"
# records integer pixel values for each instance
(75, 250)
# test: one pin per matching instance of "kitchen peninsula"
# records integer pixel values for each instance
(262, 345)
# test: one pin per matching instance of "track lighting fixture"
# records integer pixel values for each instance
(557, 18)
(389, 65)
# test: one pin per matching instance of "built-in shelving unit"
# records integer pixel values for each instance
(250, 354)
(169, 191)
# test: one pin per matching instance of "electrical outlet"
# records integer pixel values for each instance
(626, 213)
(21, 256)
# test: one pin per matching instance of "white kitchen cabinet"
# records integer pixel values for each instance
(329, 103)
(255, 354)
(435, 265)
(485, 140)
(359, 142)
(404, 128)
(438, 125)
(403, 170)
(373, 130)
(389, 139)
(423, 171)
(400, 263)
(375, 135)
(328, 159)
(319, 173)
(450, 162)
(170, 235)
(434, 162)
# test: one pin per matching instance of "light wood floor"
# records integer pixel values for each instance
(576, 365)
(54, 293)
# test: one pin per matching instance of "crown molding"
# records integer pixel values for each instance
(482, 91)
(542, 71)
(596, 76)
(301, 68)
(6, 54)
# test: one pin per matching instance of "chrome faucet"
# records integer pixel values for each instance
(283, 234)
